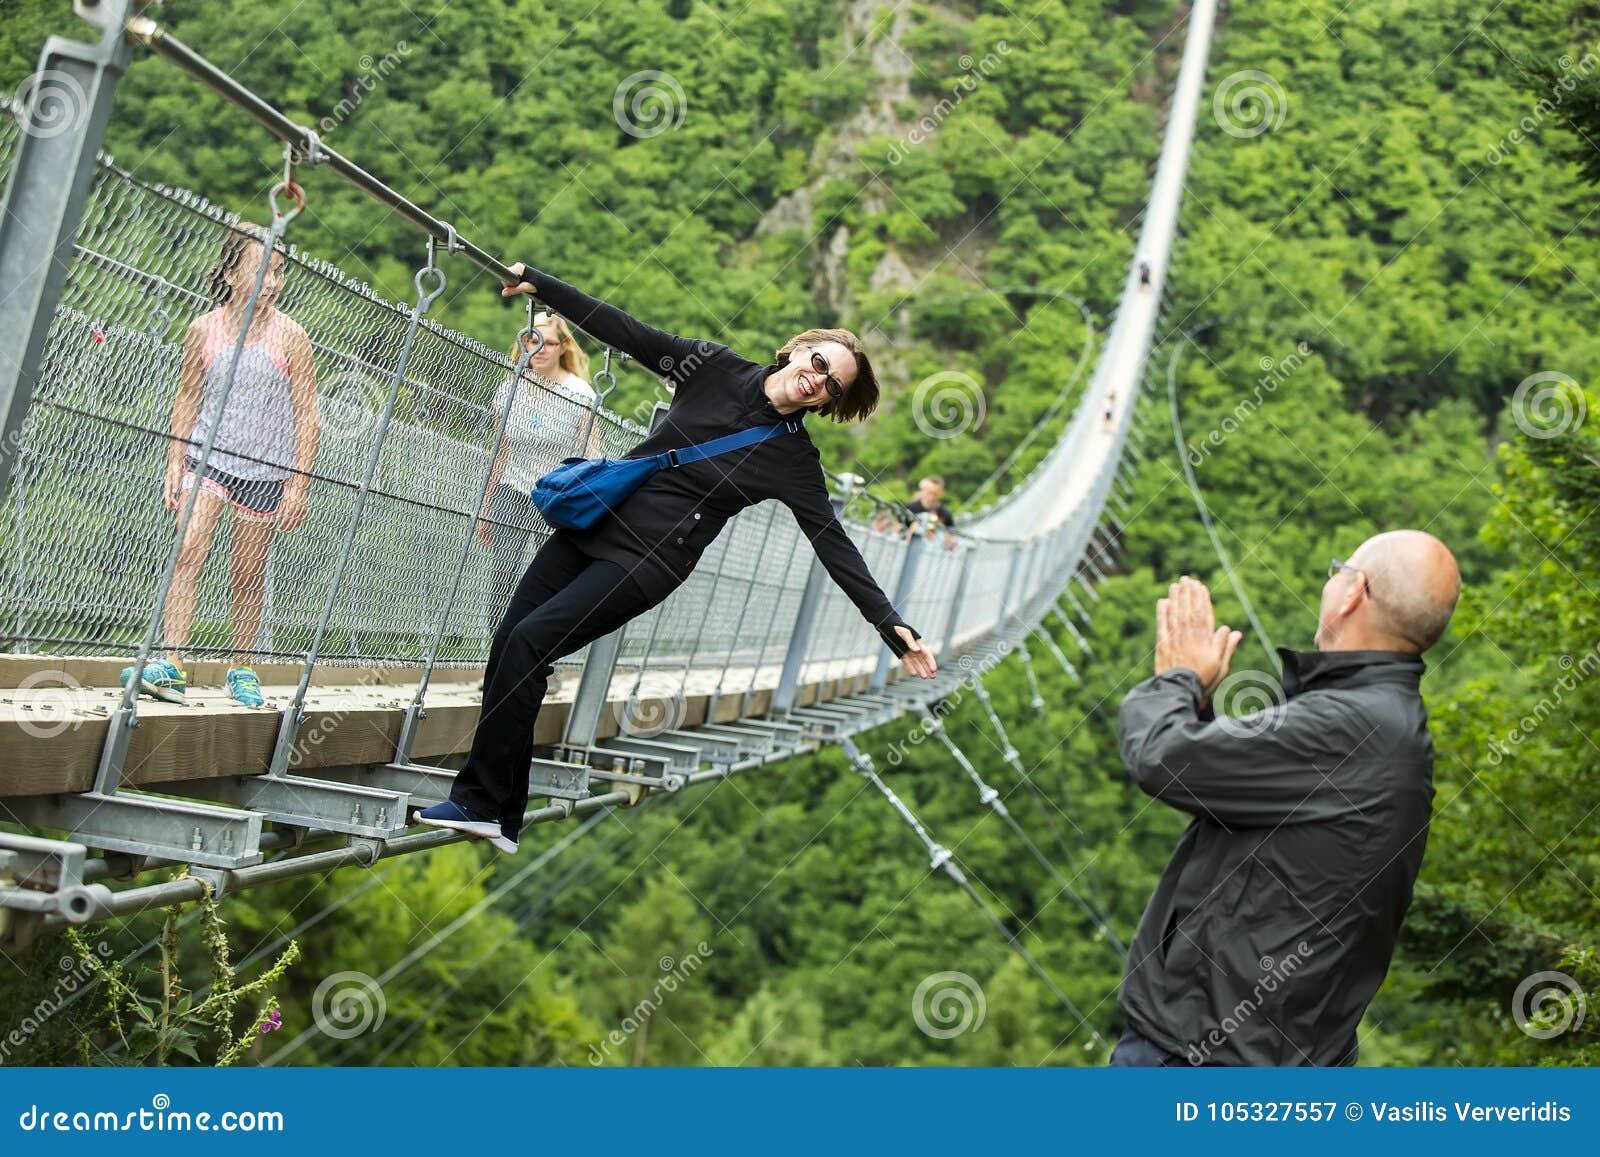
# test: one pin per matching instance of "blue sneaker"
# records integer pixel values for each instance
(244, 687)
(457, 818)
(506, 841)
(162, 678)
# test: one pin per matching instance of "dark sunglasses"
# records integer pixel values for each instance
(832, 384)
(1338, 564)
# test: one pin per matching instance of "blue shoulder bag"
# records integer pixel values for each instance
(577, 493)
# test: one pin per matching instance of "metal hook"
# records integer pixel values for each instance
(425, 295)
(294, 191)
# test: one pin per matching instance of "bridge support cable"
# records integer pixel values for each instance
(1078, 639)
(544, 899)
(415, 712)
(418, 953)
(1065, 663)
(1035, 700)
(1009, 753)
(942, 859)
(430, 283)
(989, 797)
(1200, 502)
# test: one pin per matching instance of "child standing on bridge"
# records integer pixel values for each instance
(261, 458)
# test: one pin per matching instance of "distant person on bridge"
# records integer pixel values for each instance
(1276, 918)
(261, 459)
(929, 501)
(540, 431)
(584, 584)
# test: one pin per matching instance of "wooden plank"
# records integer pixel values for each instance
(51, 735)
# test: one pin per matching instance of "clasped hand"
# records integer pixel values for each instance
(1187, 635)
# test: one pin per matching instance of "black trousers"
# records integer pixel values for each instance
(513, 513)
(565, 601)
(1135, 1050)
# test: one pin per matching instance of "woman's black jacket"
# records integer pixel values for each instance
(661, 530)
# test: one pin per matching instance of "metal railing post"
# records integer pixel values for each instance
(902, 591)
(44, 199)
(948, 642)
(805, 620)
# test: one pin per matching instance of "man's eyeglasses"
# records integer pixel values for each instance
(833, 385)
(1338, 564)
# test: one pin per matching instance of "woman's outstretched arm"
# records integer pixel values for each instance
(654, 349)
(814, 512)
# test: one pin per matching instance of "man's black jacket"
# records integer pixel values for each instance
(659, 532)
(1275, 920)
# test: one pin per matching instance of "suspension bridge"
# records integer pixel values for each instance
(377, 612)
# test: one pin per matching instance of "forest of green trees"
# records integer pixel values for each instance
(1374, 272)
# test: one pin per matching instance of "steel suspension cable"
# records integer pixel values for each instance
(943, 859)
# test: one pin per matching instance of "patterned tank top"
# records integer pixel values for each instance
(256, 433)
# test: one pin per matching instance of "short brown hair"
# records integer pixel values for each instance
(861, 396)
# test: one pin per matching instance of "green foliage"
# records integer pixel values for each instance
(1383, 267)
(145, 1015)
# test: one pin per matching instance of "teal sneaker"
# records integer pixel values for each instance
(244, 687)
(162, 678)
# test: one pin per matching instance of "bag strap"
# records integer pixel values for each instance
(746, 437)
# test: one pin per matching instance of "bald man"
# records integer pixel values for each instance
(1276, 918)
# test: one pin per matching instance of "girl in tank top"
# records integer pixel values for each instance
(264, 447)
